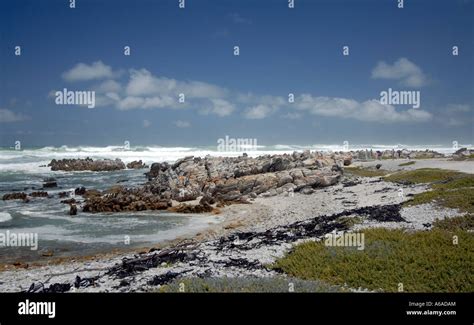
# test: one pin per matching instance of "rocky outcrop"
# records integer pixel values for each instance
(123, 199)
(229, 179)
(15, 196)
(136, 165)
(221, 179)
(463, 154)
(86, 164)
(363, 155)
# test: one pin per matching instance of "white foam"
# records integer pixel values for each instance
(29, 160)
(5, 216)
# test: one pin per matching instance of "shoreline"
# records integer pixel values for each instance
(216, 252)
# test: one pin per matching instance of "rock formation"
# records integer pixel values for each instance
(222, 179)
(86, 164)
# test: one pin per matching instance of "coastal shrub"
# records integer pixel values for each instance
(248, 284)
(423, 261)
(423, 175)
(450, 189)
(455, 224)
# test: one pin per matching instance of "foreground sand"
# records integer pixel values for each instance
(222, 250)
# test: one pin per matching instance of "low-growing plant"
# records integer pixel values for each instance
(423, 261)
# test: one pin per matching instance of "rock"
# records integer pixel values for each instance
(91, 193)
(125, 200)
(463, 154)
(221, 180)
(363, 155)
(39, 194)
(378, 166)
(80, 190)
(136, 165)
(307, 190)
(63, 194)
(86, 164)
(73, 210)
(15, 196)
(155, 169)
(50, 182)
(187, 208)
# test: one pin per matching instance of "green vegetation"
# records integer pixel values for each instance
(423, 261)
(275, 284)
(365, 172)
(462, 223)
(449, 188)
(349, 222)
(423, 175)
(408, 163)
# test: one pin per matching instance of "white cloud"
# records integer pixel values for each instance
(407, 72)
(182, 124)
(7, 116)
(258, 112)
(219, 107)
(143, 90)
(84, 72)
(143, 83)
(368, 111)
(109, 86)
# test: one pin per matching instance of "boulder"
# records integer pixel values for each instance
(50, 182)
(137, 164)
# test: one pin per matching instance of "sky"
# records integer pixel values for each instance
(191, 51)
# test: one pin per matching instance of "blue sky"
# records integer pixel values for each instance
(282, 51)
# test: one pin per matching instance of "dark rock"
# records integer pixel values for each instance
(39, 194)
(50, 182)
(136, 165)
(15, 196)
(80, 190)
(73, 210)
(86, 164)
